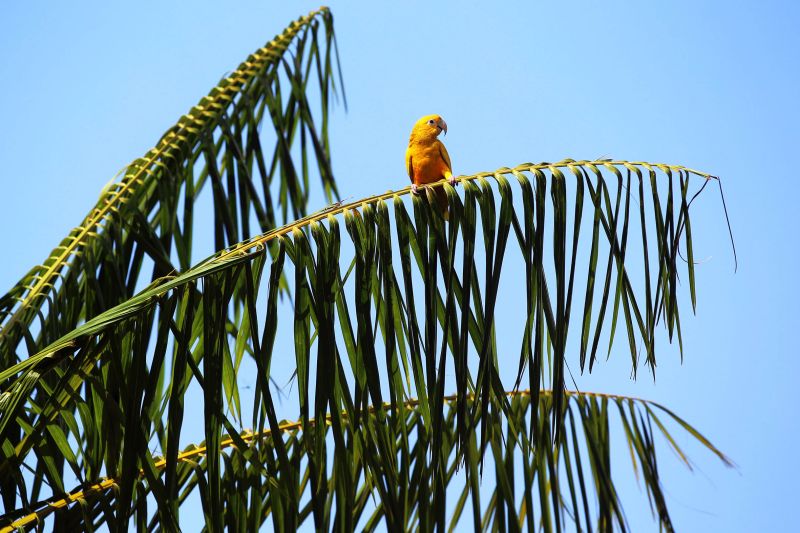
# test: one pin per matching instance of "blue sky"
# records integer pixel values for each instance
(710, 85)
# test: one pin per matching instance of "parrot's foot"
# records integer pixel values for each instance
(452, 181)
(414, 189)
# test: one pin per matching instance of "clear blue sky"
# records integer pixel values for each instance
(86, 88)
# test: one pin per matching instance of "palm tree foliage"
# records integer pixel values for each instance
(383, 301)
(151, 210)
(411, 505)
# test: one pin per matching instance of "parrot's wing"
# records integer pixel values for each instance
(410, 165)
(444, 155)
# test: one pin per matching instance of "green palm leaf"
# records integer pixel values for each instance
(389, 306)
(185, 322)
(147, 217)
(578, 462)
(143, 225)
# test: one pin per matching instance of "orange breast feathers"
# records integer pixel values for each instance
(427, 160)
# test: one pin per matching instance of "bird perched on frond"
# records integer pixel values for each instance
(427, 160)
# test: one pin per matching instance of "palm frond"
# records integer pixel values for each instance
(147, 218)
(578, 463)
(391, 308)
(143, 225)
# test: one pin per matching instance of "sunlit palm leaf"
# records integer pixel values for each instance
(391, 308)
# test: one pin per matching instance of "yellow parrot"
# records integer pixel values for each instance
(427, 160)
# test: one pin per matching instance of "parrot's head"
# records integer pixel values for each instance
(429, 127)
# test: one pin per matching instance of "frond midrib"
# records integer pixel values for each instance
(243, 250)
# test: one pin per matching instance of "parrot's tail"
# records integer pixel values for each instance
(441, 201)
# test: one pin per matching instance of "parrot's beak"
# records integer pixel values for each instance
(442, 126)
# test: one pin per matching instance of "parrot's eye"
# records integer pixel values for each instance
(431, 122)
